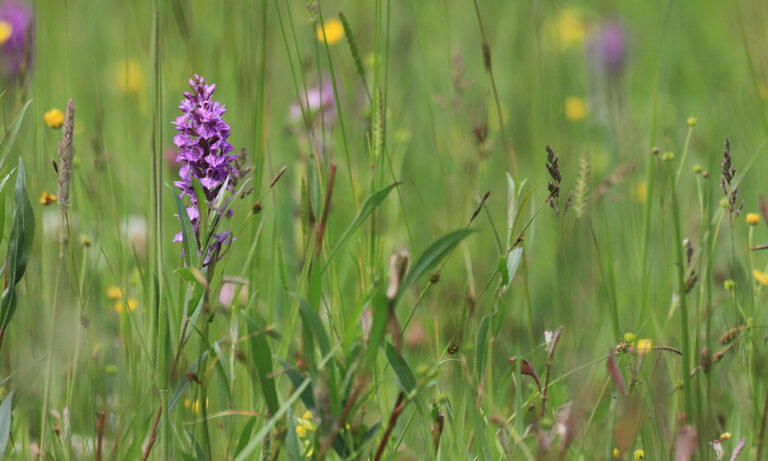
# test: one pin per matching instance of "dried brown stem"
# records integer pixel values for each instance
(320, 229)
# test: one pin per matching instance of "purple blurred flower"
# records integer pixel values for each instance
(608, 46)
(204, 154)
(17, 31)
(318, 102)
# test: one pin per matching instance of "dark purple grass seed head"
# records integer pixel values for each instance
(16, 50)
(204, 153)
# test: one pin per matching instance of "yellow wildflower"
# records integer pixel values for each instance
(334, 31)
(753, 219)
(725, 436)
(132, 305)
(307, 415)
(644, 346)
(114, 292)
(194, 406)
(641, 192)
(575, 109)
(130, 76)
(616, 453)
(761, 277)
(54, 118)
(301, 431)
(568, 28)
(46, 198)
(638, 455)
(691, 121)
(6, 30)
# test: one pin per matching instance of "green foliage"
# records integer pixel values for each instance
(19, 247)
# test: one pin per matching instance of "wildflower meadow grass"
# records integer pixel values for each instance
(324, 229)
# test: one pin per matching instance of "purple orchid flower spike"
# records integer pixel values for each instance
(17, 31)
(204, 154)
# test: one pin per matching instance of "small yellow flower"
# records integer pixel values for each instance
(644, 346)
(46, 198)
(575, 109)
(616, 453)
(761, 277)
(641, 192)
(54, 118)
(301, 431)
(753, 219)
(568, 28)
(307, 415)
(334, 31)
(130, 76)
(6, 30)
(132, 305)
(114, 292)
(638, 455)
(194, 406)
(725, 436)
(691, 121)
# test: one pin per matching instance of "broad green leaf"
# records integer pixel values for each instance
(401, 368)
(245, 435)
(245, 454)
(10, 135)
(189, 240)
(5, 422)
(513, 262)
(431, 257)
(316, 325)
(379, 324)
(192, 275)
(184, 383)
(370, 204)
(262, 359)
(307, 397)
(19, 246)
(2, 203)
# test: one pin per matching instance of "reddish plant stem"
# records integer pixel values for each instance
(99, 435)
(340, 423)
(399, 405)
(153, 436)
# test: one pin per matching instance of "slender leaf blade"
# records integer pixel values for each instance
(431, 257)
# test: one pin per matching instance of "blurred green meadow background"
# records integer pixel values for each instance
(296, 349)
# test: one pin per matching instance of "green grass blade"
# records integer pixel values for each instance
(370, 204)
(431, 257)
